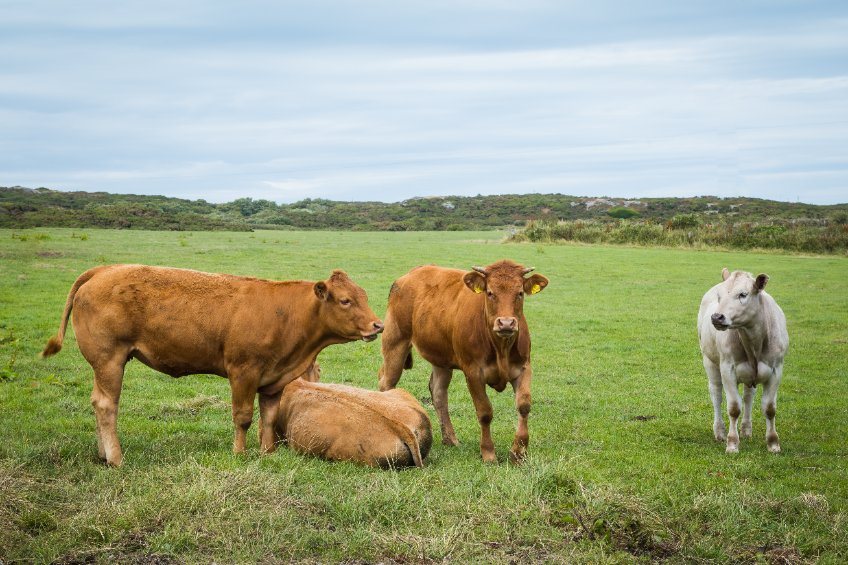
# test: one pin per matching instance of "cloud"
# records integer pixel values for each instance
(191, 103)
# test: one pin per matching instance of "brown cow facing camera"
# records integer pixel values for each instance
(259, 334)
(467, 320)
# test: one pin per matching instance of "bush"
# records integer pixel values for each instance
(622, 213)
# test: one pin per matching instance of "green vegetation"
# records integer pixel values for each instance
(686, 230)
(623, 465)
(26, 208)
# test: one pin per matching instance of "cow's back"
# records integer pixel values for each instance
(428, 305)
(340, 422)
(174, 320)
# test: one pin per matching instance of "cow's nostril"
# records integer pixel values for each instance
(378, 326)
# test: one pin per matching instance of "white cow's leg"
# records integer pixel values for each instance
(748, 401)
(769, 405)
(714, 381)
(734, 405)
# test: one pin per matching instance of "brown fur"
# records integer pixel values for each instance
(260, 334)
(453, 318)
(338, 422)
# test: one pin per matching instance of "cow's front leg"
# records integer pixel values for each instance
(269, 408)
(521, 386)
(747, 401)
(484, 415)
(734, 405)
(243, 394)
(714, 380)
(769, 406)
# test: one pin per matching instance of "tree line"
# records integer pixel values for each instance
(42, 207)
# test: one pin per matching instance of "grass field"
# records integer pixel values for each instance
(622, 462)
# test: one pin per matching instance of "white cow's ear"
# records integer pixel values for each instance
(475, 281)
(321, 290)
(760, 282)
(724, 274)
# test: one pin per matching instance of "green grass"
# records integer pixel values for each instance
(622, 462)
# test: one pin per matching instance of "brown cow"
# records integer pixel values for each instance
(472, 321)
(259, 334)
(338, 422)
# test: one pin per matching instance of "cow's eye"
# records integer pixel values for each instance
(345, 301)
(490, 294)
(743, 295)
(520, 296)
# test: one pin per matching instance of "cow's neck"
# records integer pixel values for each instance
(753, 338)
(503, 352)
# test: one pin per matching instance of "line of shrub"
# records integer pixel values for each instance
(687, 231)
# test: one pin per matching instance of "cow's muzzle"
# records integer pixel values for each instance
(719, 322)
(505, 327)
(377, 330)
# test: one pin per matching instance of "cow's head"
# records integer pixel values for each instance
(738, 299)
(345, 309)
(504, 286)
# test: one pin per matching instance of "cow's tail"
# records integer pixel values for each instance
(410, 440)
(54, 345)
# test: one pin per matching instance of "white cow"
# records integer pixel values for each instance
(743, 339)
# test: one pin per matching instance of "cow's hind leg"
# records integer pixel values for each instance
(396, 349)
(108, 379)
(714, 381)
(484, 416)
(769, 406)
(440, 379)
(243, 394)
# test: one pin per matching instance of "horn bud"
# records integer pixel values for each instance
(480, 270)
(527, 270)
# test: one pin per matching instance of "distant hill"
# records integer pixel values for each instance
(41, 207)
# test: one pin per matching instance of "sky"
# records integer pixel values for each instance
(385, 100)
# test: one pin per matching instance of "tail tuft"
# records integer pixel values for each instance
(53, 347)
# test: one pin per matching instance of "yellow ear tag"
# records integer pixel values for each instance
(536, 288)
(478, 290)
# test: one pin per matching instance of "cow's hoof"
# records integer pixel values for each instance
(720, 436)
(745, 431)
(115, 463)
(773, 444)
(490, 458)
(450, 441)
(732, 448)
(517, 458)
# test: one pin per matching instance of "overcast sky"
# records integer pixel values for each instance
(367, 100)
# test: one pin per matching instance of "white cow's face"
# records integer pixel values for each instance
(738, 299)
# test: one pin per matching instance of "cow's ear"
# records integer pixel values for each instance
(760, 282)
(724, 274)
(535, 284)
(321, 290)
(475, 281)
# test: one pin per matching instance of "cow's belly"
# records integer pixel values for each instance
(176, 363)
(745, 373)
(493, 377)
(436, 353)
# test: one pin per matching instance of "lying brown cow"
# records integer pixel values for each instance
(472, 321)
(338, 422)
(260, 334)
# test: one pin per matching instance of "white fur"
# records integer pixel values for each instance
(756, 336)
